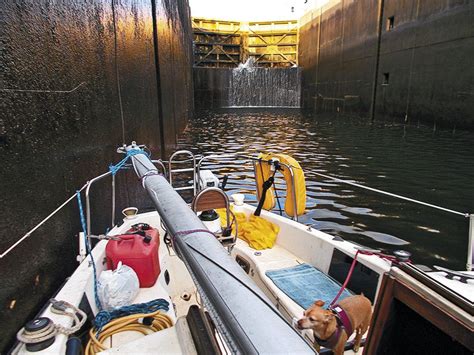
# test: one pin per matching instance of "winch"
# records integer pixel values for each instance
(38, 334)
(211, 220)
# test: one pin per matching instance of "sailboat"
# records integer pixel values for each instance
(239, 286)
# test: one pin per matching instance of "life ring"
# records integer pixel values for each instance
(263, 172)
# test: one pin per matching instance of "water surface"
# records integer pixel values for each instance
(433, 166)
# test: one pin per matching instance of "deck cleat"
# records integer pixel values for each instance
(402, 255)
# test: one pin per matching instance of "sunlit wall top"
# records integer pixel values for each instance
(248, 10)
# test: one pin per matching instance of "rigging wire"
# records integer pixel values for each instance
(14, 245)
(391, 194)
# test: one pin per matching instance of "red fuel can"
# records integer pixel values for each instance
(141, 228)
(137, 251)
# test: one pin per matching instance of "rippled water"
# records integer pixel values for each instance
(433, 166)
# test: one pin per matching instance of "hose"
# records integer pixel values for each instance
(159, 321)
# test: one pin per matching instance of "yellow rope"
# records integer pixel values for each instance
(126, 324)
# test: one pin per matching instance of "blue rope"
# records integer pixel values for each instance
(104, 317)
(81, 214)
(115, 168)
(88, 248)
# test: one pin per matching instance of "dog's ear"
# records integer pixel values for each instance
(328, 316)
(319, 303)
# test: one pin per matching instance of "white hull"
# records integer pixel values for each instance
(296, 244)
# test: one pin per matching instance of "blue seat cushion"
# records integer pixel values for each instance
(305, 284)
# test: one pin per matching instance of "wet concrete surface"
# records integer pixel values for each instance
(62, 67)
(216, 88)
(420, 63)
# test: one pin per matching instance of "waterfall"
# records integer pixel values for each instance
(251, 86)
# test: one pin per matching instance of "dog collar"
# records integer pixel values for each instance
(343, 324)
(343, 320)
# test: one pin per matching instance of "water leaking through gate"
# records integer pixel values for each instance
(252, 86)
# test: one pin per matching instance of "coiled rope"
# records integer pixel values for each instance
(127, 318)
(33, 337)
(58, 307)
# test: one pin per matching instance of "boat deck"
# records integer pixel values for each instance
(274, 259)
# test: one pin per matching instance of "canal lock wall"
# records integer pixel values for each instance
(392, 60)
(62, 67)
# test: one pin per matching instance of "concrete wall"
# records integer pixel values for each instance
(211, 87)
(224, 87)
(426, 57)
(62, 64)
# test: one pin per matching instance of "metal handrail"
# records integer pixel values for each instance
(100, 177)
(86, 186)
(170, 167)
(88, 205)
(470, 251)
(470, 256)
(197, 168)
(161, 164)
(232, 155)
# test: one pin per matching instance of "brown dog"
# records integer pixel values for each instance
(325, 325)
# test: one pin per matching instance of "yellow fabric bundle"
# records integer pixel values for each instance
(256, 231)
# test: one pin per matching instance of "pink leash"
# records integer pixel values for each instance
(390, 258)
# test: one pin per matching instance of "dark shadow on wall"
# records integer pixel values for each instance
(61, 121)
